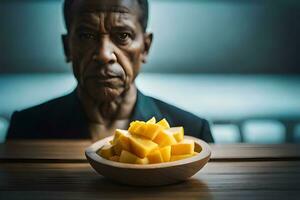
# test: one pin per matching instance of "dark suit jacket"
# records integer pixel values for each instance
(64, 118)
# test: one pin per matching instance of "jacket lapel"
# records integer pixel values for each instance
(145, 108)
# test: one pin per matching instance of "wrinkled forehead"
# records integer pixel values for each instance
(128, 7)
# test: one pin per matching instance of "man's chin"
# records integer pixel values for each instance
(105, 94)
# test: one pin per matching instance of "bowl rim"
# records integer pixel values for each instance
(90, 152)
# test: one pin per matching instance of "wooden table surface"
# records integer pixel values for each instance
(59, 170)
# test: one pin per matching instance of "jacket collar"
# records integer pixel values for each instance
(145, 108)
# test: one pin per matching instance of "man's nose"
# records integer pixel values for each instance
(105, 52)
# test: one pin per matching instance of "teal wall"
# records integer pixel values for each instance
(201, 36)
(262, 105)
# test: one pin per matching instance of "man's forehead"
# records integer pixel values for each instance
(121, 6)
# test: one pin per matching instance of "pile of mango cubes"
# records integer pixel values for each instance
(147, 143)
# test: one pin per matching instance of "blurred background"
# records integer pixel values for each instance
(234, 62)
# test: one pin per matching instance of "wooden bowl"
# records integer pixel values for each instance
(150, 174)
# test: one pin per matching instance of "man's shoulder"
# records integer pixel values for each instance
(45, 120)
(193, 125)
(45, 109)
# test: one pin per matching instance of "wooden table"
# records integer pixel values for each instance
(59, 170)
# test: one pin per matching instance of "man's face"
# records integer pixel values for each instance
(107, 46)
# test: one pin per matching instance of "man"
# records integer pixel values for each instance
(106, 42)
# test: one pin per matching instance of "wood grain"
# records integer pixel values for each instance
(66, 150)
(245, 180)
(57, 170)
(73, 151)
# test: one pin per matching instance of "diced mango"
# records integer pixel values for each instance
(114, 158)
(149, 131)
(106, 151)
(137, 127)
(118, 133)
(164, 138)
(133, 126)
(155, 157)
(152, 131)
(141, 146)
(122, 142)
(177, 133)
(184, 147)
(127, 157)
(142, 161)
(166, 153)
(180, 157)
(149, 142)
(151, 121)
(163, 123)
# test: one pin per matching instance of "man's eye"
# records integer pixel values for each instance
(87, 36)
(123, 37)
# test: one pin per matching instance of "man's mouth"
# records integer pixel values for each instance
(105, 81)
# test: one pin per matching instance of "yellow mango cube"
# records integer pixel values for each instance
(177, 133)
(163, 123)
(106, 151)
(155, 157)
(165, 153)
(152, 131)
(149, 131)
(141, 146)
(142, 161)
(121, 142)
(186, 146)
(180, 157)
(118, 133)
(137, 127)
(133, 126)
(151, 121)
(128, 157)
(164, 138)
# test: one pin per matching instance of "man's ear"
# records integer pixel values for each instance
(65, 41)
(147, 44)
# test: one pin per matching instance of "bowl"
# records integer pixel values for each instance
(150, 174)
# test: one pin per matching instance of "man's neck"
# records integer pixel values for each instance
(107, 113)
